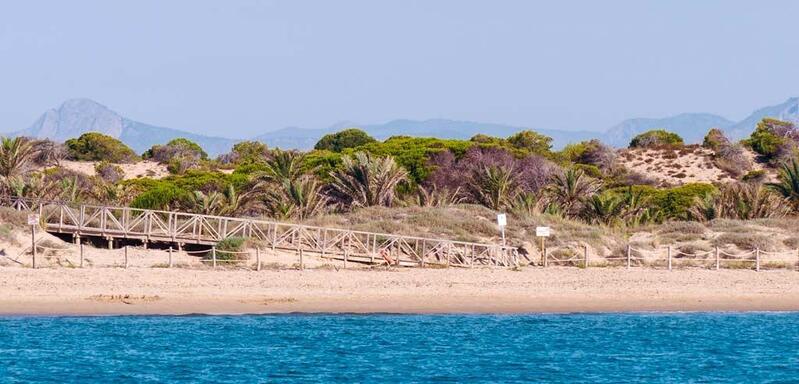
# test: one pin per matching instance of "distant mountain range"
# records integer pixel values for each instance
(77, 116)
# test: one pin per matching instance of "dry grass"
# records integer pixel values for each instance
(746, 241)
(14, 218)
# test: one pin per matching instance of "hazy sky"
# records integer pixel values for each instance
(238, 68)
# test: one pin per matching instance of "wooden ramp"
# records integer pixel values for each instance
(188, 228)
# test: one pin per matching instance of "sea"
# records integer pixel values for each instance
(388, 348)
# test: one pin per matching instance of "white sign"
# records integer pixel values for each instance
(542, 231)
(502, 220)
(33, 219)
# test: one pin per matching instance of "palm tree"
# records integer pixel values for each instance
(282, 165)
(213, 203)
(366, 181)
(742, 201)
(788, 185)
(495, 187)
(704, 208)
(15, 155)
(432, 196)
(570, 190)
(604, 209)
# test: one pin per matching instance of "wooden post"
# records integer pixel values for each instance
(346, 256)
(257, 259)
(170, 256)
(757, 259)
(81, 254)
(110, 243)
(585, 256)
(126, 256)
(213, 256)
(628, 256)
(33, 246)
(302, 265)
(718, 261)
(424, 251)
(669, 256)
(543, 252)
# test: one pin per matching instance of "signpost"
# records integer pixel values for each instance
(33, 221)
(543, 233)
(502, 221)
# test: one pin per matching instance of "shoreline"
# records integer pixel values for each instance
(149, 291)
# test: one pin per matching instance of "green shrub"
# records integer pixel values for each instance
(246, 153)
(589, 170)
(656, 138)
(756, 175)
(164, 196)
(176, 147)
(413, 153)
(348, 138)
(768, 137)
(715, 139)
(674, 202)
(531, 142)
(93, 146)
(228, 245)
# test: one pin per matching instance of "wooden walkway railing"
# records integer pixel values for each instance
(188, 228)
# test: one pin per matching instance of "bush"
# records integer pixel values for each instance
(592, 152)
(732, 159)
(773, 137)
(164, 196)
(413, 153)
(755, 176)
(93, 146)
(348, 138)
(746, 241)
(180, 155)
(531, 142)
(246, 153)
(656, 138)
(228, 245)
(110, 173)
(673, 203)
(715, 139)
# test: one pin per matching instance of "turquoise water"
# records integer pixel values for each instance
(716, 347)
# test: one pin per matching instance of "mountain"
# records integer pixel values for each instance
(789, 111)
(692, 127)
(77, 116)
(442, 128)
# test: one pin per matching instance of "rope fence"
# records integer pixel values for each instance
(667, 257)
(670, 257)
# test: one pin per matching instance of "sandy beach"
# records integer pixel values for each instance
(106, 291)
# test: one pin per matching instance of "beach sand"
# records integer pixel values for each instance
(106, 291)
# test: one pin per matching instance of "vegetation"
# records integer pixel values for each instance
(348, 138)
(774, 139)
(93, 146)
(656, 138)
(352, 172)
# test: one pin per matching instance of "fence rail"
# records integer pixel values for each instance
(188, 228)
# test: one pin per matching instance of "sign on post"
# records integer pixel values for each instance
(502, 221)
(33, 219)
(542, 231)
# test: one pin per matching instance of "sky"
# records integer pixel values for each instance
(238, 68)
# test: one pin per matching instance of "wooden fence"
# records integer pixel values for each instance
(188, 228)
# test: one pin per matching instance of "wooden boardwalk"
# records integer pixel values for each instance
(188, 228)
